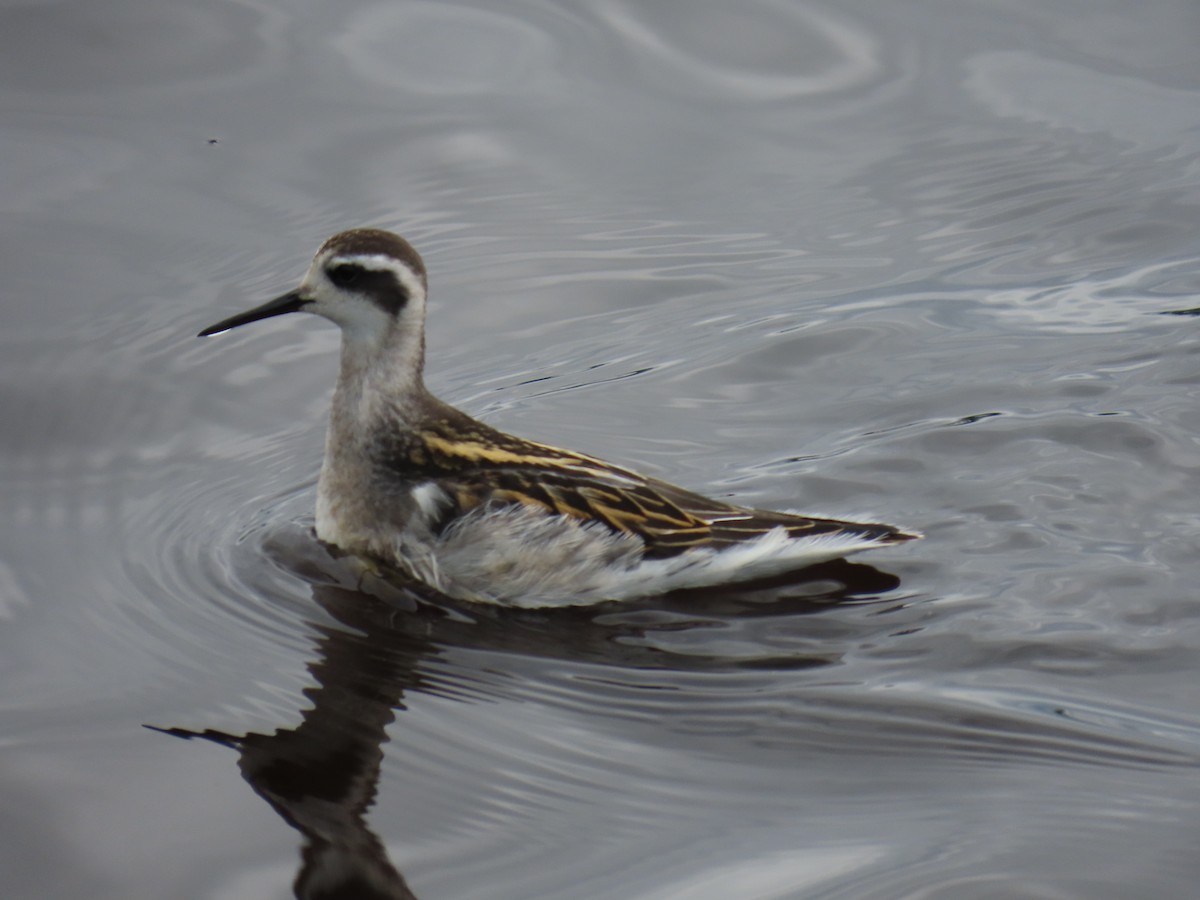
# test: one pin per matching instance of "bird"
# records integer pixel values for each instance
(411, 483)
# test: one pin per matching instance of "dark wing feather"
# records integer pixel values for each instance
(478, 465)
(630, 506)
(729, 525)
(668, 519)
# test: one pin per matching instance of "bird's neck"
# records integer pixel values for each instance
(379, 392)
(380, 377)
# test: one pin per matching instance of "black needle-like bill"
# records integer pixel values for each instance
(289, 302)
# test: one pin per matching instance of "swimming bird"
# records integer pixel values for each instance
(478, 514)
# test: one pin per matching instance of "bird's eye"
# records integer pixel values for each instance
(344, 275)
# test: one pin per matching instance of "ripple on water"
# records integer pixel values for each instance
(1116, 301)
(450, 50)
(1023, 85)
(211, 580)
(761, 51)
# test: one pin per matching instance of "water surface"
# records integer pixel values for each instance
(913, 263)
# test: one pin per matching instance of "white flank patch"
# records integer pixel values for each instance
(430, 500)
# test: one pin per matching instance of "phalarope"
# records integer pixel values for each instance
(409, 480)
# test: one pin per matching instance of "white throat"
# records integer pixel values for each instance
(381, 365)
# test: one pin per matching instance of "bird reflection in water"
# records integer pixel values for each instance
(322, 776)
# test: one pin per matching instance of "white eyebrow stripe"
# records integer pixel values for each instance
(376, 262)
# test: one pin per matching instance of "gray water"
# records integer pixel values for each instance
(915, 260)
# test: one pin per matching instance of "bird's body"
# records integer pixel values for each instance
(479, 514)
